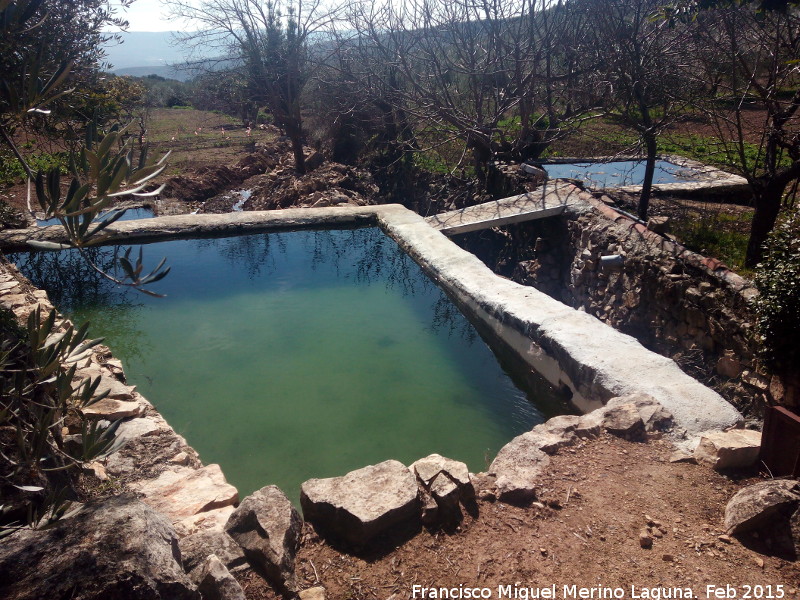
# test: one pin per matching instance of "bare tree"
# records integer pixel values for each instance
(269, 46)
(483, 72)
(643, 64)
(754, 57)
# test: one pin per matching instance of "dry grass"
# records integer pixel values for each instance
(200, 138)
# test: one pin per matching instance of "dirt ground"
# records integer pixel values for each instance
(594, 502)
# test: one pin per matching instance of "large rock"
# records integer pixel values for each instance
(654, 416)
(624, 421)
(196, 548)
(757, 505)
(734, 449)
(119, 548)
(268, 528)
(215, 582)
(185, 492)
(362, 504)
(517, 467)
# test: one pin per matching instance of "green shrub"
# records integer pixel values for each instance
(778, 305)
(11, 170)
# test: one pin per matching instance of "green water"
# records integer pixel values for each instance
(306, 354)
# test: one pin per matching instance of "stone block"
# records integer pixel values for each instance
(267, 527)
(361, 505)
(756, 505)
(517, 468)
(112, 410)
(214, 581)
(734, 449)
(654, 416)
(624, 421)
(197, 547)
(186, 492)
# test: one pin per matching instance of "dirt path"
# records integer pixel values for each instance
(595, 502)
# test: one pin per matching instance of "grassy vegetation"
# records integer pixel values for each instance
(200, 138)
(716, 233)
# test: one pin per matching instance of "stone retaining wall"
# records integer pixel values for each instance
(676, 302)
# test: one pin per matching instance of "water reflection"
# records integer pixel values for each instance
(77, 289)
(365, 256)
(619, 172)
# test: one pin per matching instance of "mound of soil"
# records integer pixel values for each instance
(207, 182)
(330, 184)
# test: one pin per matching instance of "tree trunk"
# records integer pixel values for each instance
(294, 130)
(767, 202)
(649, 170)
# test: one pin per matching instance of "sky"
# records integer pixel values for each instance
(149, 15)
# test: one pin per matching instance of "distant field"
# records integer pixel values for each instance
(199, 138)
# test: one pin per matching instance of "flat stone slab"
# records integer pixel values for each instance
(139, 427)
(115, 388)
(111, 409)
(362, 504)
(185, 492)
(546, 201)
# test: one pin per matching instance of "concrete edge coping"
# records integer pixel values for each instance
(568, 347)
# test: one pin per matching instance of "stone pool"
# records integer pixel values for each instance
(292, 355)
(619, 173)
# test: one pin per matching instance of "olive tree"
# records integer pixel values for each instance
(40, 390)
(642, 62)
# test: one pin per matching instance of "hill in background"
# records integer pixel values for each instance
(143, 53)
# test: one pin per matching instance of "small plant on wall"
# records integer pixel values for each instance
(778, 305)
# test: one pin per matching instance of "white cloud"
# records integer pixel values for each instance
(150, 15)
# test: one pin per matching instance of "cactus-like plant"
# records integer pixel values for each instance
(39, 398)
